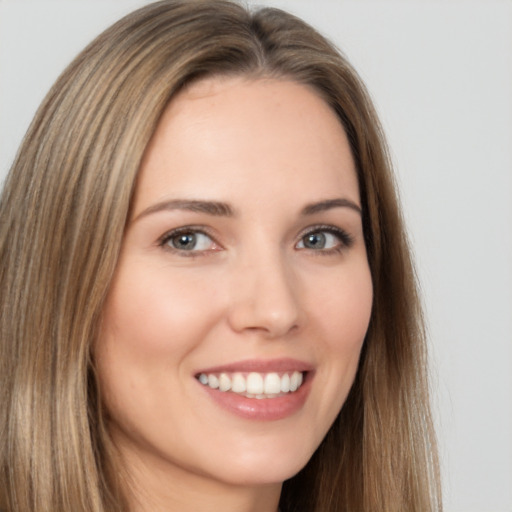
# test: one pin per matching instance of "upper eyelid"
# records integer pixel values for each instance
(326, 227)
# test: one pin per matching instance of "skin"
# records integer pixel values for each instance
(250, 289)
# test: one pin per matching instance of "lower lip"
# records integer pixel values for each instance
(264, 409)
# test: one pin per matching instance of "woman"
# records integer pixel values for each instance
(206, 285)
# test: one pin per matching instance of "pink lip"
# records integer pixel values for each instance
(265, 409)
(261, 365)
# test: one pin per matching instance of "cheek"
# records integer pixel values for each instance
(150, 312)
(150, 323)
(345, 308)
(344, 315)
(356, 304)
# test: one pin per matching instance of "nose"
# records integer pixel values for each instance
(264, 298)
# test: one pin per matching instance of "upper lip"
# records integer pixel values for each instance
(261, 366)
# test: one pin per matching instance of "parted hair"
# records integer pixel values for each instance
(63, 212)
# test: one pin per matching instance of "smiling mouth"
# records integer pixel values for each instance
(254, 384)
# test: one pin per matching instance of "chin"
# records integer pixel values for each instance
(263, 467)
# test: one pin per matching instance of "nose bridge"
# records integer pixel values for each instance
(264, 296)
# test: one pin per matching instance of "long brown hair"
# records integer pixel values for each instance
(63, 213)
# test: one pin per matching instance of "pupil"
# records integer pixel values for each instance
(185, 241)
(315, 240)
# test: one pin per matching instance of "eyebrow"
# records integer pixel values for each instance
(328, 204)
(215, 208)
(220, 209)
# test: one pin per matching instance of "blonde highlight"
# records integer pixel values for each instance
(63, 212)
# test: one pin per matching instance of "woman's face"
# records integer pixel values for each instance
(243, 271)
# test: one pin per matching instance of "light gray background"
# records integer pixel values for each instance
(441, 76)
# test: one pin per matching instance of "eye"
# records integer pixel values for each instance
(188, 240)
(326, 239)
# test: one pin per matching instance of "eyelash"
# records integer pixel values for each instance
(185, 230)
(345, 240)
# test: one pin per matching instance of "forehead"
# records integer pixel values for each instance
(238, 135)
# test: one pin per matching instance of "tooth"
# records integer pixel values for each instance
(224, 382)
(272, 384)
(294, 381)
(213, 381)
(254, 383)
(238, 384)
(285, 383)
